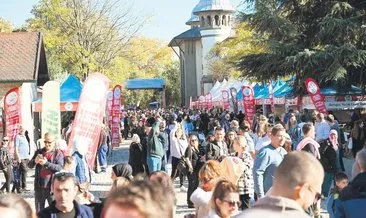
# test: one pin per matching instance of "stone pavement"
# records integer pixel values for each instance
(101, 183)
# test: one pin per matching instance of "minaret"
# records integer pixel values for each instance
(215, 17)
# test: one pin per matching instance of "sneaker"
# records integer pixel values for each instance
(183, 189)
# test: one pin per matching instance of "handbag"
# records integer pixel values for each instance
(182, 165)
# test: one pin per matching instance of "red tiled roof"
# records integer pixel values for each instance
(22, 58)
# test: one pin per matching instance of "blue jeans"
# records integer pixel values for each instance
(327, 183)
(153, 163)
(103, 155)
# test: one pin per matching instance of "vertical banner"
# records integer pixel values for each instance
(51, 118)
(201, 101)
(225, 99)
(208, 101)
(249, 102)
(190, 103)
(89, 116)
(109, 108)
(271, 97)
(234, 99)
(315, 95)
(116, 116)
(13, 116)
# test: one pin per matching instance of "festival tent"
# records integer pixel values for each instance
(70, 90)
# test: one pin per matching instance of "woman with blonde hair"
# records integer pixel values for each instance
(137, 156)
(178, 146)
(245, 183)
(209, 174)
(225, 200)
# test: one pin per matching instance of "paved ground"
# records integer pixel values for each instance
(102, 183)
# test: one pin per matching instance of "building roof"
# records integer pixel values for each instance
(134, 84)
(22, 58)
(213, 5)
(191, 34)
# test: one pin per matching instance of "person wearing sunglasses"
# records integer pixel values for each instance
(5, 164)
(296, 186)
(47, 161)
(225, 200)
(194, 155)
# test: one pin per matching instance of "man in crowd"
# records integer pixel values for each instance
(155, 148)
(267, 161)
(353, 197)
(47, 160)
(322, 128)
(64, 189)
(218, 148)
(297, 184)
(22, 153)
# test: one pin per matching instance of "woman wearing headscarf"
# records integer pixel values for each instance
(121, 175)
(136, 156)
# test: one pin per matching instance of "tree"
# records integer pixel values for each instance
(308, 38)
(86, 35)
(224, 55)
(5, 26)
(146, 58)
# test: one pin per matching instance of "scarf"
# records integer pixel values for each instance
(309, 140)
(334, 141)
(123, 170)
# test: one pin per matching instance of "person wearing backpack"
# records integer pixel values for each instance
(5, 164)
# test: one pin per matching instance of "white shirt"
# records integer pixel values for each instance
(177, 146)
(262, 142)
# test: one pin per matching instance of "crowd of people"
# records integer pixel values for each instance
(268, 166)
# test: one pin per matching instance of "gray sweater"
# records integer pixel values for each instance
(265, 164)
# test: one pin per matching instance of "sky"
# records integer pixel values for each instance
(166, 17)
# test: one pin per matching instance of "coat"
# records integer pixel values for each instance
(81, 211)
(353, 199)
(213, 151)
(274, 207)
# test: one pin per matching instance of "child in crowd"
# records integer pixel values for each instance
(16, 178)
(341, 181)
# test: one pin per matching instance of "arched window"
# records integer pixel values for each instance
(209, 20)
(217, 20)
(224, 20)
(202, 21)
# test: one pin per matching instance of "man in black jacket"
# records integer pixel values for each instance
(353, 197)
(64, 189)
(218, 148)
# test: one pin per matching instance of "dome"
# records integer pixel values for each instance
(213, 5)
(194, 18)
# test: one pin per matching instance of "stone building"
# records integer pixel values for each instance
(210, 23)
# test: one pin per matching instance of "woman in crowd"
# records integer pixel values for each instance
(195, 157)
(225, 200)
(136, 156)
(328, 158)
(245, 182)
(358, 136)
(230, 136)
(178, 146)
(5, 164)
(209, 174)
(121, 175)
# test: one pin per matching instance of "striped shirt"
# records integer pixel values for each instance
(245, 182)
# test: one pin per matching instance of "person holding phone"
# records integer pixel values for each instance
(47, 160)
